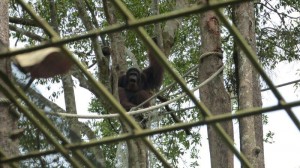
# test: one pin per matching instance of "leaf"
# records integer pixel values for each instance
(44, 63)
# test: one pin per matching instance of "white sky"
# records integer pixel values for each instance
(285, 151)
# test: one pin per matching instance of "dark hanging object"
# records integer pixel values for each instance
(43, 63)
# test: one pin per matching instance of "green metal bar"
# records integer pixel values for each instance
(179, 126)
(119, 27)
(162, 59)
(283, 84)
(54, 35)
(101, 87)
(116, 105)
(32, 118)
(107, 95)
(12, 164)
(28, 155)
(252, 57)
(282, 104)
(149, 132)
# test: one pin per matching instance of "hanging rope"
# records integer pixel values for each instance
(187, 73)
(144, 110)
(4, 101)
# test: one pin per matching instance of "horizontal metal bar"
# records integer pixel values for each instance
(120, 27)
(149, 132)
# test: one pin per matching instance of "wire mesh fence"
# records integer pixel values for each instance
(71, 151)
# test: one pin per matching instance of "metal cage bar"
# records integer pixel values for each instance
(35, 115)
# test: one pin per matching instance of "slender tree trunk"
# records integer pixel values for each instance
(257, 100)
(214, 94)
(137, 152)
(70, 101)
(249, 95)
(171, 27)
(119, 67)
(8, 121)
(103, 62)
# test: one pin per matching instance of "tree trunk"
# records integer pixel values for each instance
(119, 67)
(214, 95)
(249, 95)
(102, 61)
(75, 126)
(137, 151)
(170, 28)
(8, 121)
(70, 102)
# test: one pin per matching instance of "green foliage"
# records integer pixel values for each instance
(33, 140)
(277, 32)
(277, 40)
(105, 128)
(269, 137)
(277, 37)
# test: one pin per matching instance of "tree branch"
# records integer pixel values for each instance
(103, 62)
(40, 98)
(171, 27)
(84, 83)
(23, 21)
(95, 22)
(26, 33)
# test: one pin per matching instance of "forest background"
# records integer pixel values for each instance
(277, 37)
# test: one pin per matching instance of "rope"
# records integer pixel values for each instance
(144, 109)
(4, 101)
(187, 73)
(7, 101)
(210, 53)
